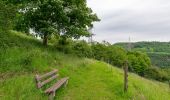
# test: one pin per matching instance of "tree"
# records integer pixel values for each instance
(7, 13)
(99, 51)
(69, 18)
(157, 74)
(138, 62)
(117, 55)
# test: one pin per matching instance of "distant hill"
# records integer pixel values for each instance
(148, 46)
(21, 57)
(159, 52)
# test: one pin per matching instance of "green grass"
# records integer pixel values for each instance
(21, 57)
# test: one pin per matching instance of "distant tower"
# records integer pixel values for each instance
(90, 40)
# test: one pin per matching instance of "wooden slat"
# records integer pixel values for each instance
(39, 78)
(57, 85)
(40, 84)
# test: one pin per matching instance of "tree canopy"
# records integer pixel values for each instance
(69, 18)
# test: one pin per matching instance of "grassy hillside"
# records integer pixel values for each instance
(21, 57)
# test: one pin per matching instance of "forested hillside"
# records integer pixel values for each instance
(148, 46)
(159, 52)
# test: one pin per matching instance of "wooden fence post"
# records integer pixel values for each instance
(125, 76)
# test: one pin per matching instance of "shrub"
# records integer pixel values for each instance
(117, 55)
(99, 51)
(157, 74)
(82, 49)
(65, 45)
(138, 62)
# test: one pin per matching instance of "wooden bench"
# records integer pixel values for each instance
(42, 80)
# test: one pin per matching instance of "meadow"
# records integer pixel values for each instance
(21, 57)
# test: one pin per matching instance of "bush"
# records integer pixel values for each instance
(65, 45)
(111, 54)
(157, 74)
(100, 51)
(7, 14)
(138, 62)
(82, 49)
(117, 56)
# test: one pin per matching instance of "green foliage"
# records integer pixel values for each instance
(82, 49)
(109, 53)
(115, 55)
(160, 59)
(65, 45)
(17, 52)
(159, 52)
(100, 51)
(70, 18)
(53, 39)
(159, 56)
(138, 62)
(157, 74)
(148, 46)
(22, 57)
(7, 13)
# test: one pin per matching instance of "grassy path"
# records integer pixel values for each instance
(92, 86)
(100, 81)
(96, 82)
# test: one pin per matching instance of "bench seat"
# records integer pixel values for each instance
(57, 85)
(42, 80)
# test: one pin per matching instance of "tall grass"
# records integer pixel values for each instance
(21, 57)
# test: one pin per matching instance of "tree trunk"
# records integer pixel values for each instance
(45, 40)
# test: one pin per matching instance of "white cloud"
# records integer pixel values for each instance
(143, 20)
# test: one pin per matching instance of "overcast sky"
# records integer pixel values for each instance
(141, 20)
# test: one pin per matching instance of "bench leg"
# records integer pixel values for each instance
(51, 96)
(66, 83)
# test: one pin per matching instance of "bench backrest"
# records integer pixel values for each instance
(41, 80)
